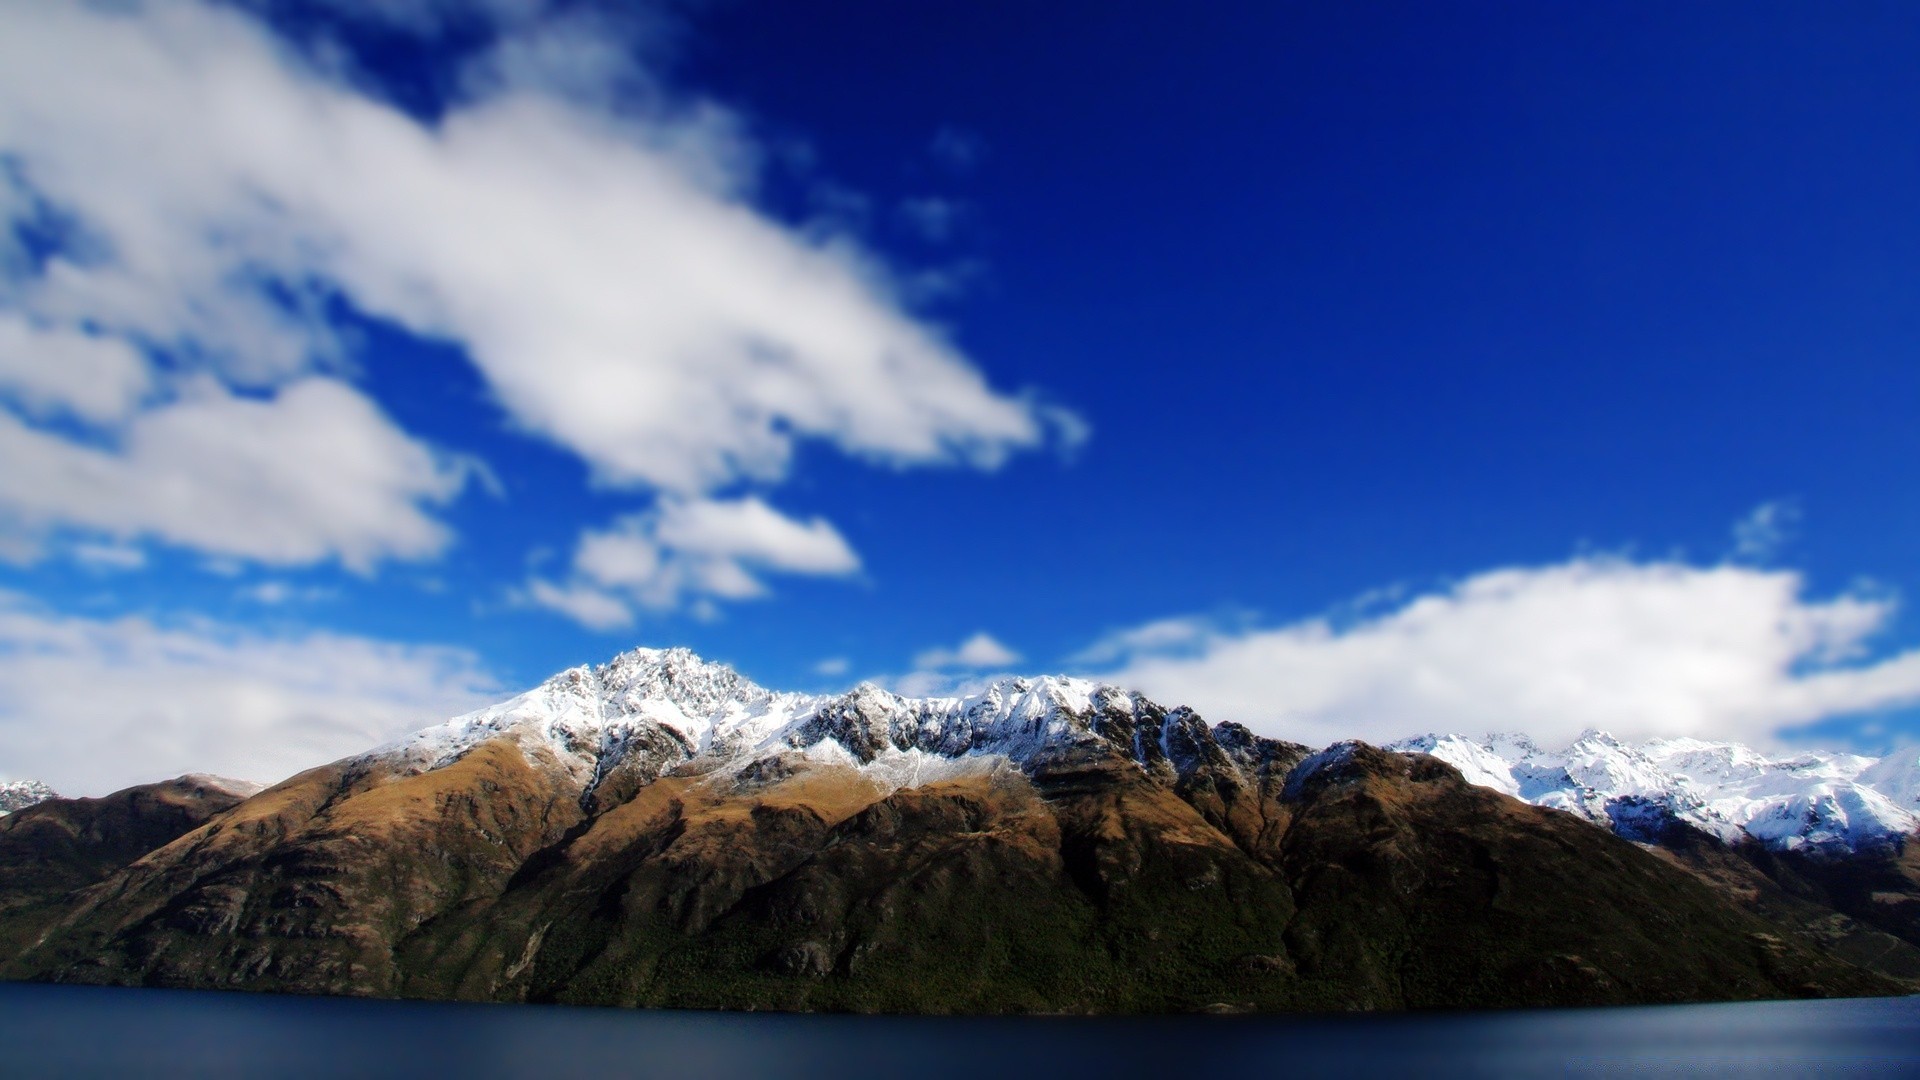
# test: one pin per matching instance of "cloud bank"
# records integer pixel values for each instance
(1641, 649)
(93, 705)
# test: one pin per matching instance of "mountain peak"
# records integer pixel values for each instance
(655, 710)
(20, 794)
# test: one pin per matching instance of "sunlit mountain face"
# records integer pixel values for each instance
(658, 830)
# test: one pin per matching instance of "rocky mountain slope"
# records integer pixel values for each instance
(660, 831)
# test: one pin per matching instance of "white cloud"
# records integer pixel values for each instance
(312, 472)
(833, 666)
(584, 604)
(275, 593)
(93, 705)
(109, 557)
(923, 684)
(1640, 649)
(690, 549)
(979, 651)
(603, 270)
(1160, 636)
(749, 530)
(63, 371)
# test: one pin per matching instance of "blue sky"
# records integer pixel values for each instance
(1370, 369)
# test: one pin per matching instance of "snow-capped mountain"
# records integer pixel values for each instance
(1815, 802)
(20, 794)
(654, 709)
(659, 831)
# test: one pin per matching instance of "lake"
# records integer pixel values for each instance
(71, 1030)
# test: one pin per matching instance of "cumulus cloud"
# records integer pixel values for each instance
(603, 269)
(314, 471)
(981, 650)
(833, 666)
(1641, 649)
(93, 705)
(699, 549)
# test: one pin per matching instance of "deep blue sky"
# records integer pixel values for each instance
(1369, 293)
(1351, 295)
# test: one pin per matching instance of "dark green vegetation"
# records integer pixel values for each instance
(1090, 882)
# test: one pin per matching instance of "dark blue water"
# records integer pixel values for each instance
(86, 1031)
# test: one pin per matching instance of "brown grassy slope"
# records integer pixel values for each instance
(1397, 886)
(52, 848)
(308, 885)
(1090, 885)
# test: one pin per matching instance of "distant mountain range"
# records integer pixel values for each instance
(661, 831)
(1836, 804)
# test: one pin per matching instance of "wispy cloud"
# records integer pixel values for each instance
(982, 650)
(1761, 535)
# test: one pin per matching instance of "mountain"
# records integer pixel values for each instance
(55, 846)
(20, 794)
(661, 831)
(1835, 804)
(1816, 840)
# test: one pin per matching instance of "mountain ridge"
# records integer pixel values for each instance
(1810, 801)
(646, 702)
(659, 830)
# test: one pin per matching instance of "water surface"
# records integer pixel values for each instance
(71, 1030)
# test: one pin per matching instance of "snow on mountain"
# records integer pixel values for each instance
(591, 717)
(243, 788)
(662, 707)
(1818, 802)
(656, 709)
(1897, 776)
(20, 794)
